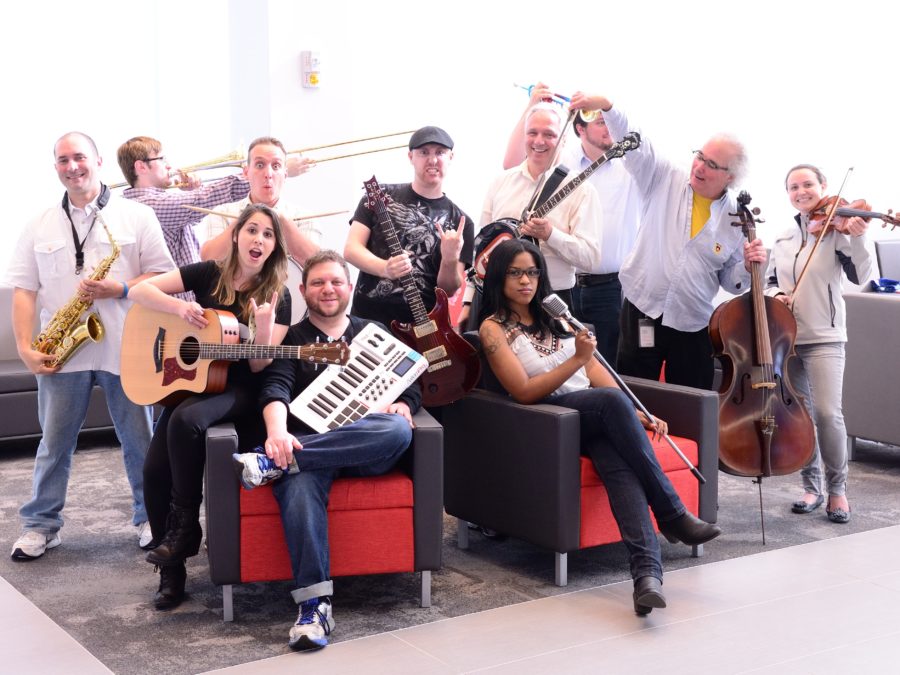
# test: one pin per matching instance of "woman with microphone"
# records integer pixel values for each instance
(537, 359)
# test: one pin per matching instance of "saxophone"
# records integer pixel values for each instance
(65, 334)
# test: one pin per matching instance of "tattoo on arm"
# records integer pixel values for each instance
(491, 347)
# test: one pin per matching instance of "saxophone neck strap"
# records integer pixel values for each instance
(102, 200)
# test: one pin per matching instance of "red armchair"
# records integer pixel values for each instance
(378, 525)
(518, 468)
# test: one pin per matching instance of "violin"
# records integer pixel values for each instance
(844, 211)
(764, 428)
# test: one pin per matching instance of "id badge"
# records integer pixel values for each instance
(646, 333)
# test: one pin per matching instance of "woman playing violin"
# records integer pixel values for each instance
(818, 306)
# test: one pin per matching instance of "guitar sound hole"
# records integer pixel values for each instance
(189, 351)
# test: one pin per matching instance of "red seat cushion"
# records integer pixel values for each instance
(370, 529)
(597, 523)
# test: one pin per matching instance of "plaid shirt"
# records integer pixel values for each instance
(178, 222)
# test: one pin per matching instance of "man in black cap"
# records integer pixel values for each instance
(436, 236)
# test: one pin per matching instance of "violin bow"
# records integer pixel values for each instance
(822, 233)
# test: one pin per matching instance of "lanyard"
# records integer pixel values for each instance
(79, 245)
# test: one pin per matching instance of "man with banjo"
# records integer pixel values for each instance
(569, 235)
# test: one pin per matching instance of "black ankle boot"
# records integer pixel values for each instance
(689, 530)
(171, 586)
(182, 539)
(647, 595)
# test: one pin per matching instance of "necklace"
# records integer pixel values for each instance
(533, 329)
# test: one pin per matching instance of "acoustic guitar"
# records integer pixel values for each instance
(165, 359)
(453, 364)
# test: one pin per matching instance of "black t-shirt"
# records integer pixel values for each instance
(285, 379)
(414, 218)
(201, 278)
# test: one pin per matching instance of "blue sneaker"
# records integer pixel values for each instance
(314, 625)
(255, 469)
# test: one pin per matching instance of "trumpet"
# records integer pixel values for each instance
(586, 116)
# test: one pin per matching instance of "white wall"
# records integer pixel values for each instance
(795, 81)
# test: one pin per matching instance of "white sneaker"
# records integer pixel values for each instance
(32, 544)
(314, 625)
(255, 469)
(145, 535)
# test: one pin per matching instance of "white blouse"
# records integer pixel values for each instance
(543, 355)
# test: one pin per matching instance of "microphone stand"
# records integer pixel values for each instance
(555, 307)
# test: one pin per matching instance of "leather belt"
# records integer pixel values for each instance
(583, 280)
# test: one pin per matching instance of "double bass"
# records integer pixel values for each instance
(764, 427)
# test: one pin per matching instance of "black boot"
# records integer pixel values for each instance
(647, 595)
(182, 539)
(171, 586)
(689, 529)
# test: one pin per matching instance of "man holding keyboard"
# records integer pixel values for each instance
(305, 463)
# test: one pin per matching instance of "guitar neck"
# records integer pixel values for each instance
(410, 291)
(567, 189)
(218, 352)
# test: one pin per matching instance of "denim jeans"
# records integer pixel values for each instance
(63, 400)
(613, 438)
(369, 447)
(818, 375)
(600, 305)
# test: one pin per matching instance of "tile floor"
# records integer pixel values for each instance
(831, 606)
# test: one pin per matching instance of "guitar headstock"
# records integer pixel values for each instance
(630, 141)
(326, 352)
(375, 194)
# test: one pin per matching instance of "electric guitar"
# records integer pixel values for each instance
(453, 364)
(165, 359)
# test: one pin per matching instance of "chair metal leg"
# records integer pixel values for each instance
(562, 570)
(462, 533)
(227, 604)
(426, 588)
(851, 447)
(697, 551)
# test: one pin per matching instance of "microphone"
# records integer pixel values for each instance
(555, 307)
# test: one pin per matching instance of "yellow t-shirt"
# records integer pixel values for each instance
(699, 214)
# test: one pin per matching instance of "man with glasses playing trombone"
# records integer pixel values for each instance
(149, 176)
(686, 249)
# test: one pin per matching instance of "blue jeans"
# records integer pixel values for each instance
(600, 305)
(369, 447)
(615, 441)
(818, 375)
(63, 400)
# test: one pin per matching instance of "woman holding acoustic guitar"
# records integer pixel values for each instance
(249, 283)
(817, 372)
(539, 360)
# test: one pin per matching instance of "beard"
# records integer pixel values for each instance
(336, 310)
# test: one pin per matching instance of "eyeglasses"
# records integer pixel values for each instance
(709, 163)
(161, 158)
(516, 273)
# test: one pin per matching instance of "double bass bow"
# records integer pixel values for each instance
(764, 427)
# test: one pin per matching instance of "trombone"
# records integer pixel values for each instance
(236, 158)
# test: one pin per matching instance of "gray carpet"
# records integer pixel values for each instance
(98, 587)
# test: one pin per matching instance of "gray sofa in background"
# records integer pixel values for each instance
(18, 387)
(872, 374)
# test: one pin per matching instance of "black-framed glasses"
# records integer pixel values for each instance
(516, 273)
(709, 163)
(161, 158)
